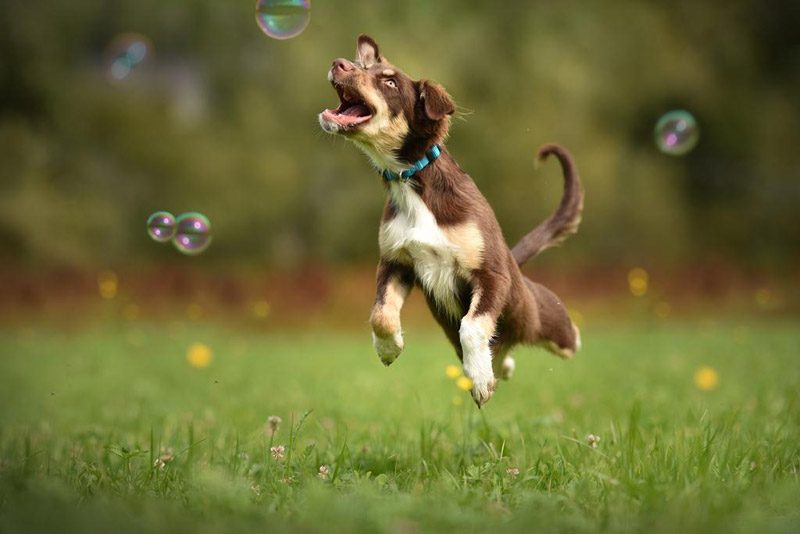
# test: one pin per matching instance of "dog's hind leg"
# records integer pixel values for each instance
(557, 333)
(502, 364)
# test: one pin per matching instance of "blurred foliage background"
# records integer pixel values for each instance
(222, 120)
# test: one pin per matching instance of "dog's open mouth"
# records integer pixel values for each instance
(352, 109)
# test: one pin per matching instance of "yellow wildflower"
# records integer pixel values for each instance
(706, 378)
(199, 356)
(464, 383)
(452, 371)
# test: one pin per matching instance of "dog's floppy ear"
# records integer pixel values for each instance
(367, 51)
(435, 100)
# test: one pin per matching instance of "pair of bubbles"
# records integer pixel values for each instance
(126, 52)
(189, 232)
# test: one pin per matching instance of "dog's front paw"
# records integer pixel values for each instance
(482, 391)
(388, 347)
(483, 383)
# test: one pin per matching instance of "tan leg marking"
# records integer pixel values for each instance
(385, 319)
(387, 336)
(563, 353)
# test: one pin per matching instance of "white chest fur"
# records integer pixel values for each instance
(414, 237)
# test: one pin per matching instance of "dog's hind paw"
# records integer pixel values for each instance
(507, 368)
(388, 348)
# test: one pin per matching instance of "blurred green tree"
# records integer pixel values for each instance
(222, 120)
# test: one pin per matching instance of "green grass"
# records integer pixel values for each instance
(85, 414)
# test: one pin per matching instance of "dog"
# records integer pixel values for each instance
(439, 233)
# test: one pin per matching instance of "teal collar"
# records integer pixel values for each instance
(429, 157)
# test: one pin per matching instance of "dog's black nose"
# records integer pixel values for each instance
(341, 64)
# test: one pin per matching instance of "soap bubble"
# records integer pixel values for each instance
(161, 226)
(126, 52)
(283, 19)
(193, 233)
(676, 133)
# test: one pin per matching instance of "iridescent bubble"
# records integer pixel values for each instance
(283, 19)
(193, 234)
(161, 226)
(676, 133)
(126, 52)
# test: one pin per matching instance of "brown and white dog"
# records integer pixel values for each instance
(438, 232)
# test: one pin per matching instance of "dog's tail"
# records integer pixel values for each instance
(567, 216)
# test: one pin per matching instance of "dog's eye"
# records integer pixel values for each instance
(391, 83)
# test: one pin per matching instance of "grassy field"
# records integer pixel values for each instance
(112, 428)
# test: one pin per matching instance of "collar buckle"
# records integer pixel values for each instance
(429, 157)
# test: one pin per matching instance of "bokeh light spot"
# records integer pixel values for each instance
(124, 54)
(283, 19)
(194, 311)
(261, 309)
(766, 299)
(107, 284)
(131, 312)
(676, 133)
(638, 281)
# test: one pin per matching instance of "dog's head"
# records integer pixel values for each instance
(393, 118)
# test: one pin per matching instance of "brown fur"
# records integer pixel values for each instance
(500, 306)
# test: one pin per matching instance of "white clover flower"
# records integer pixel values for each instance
(323, 472)
(274, 423)
(277, 451)
(166, 455)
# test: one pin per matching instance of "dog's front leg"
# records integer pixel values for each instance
(476, 331)
(394, 283)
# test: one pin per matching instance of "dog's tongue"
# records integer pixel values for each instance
(358, 110)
